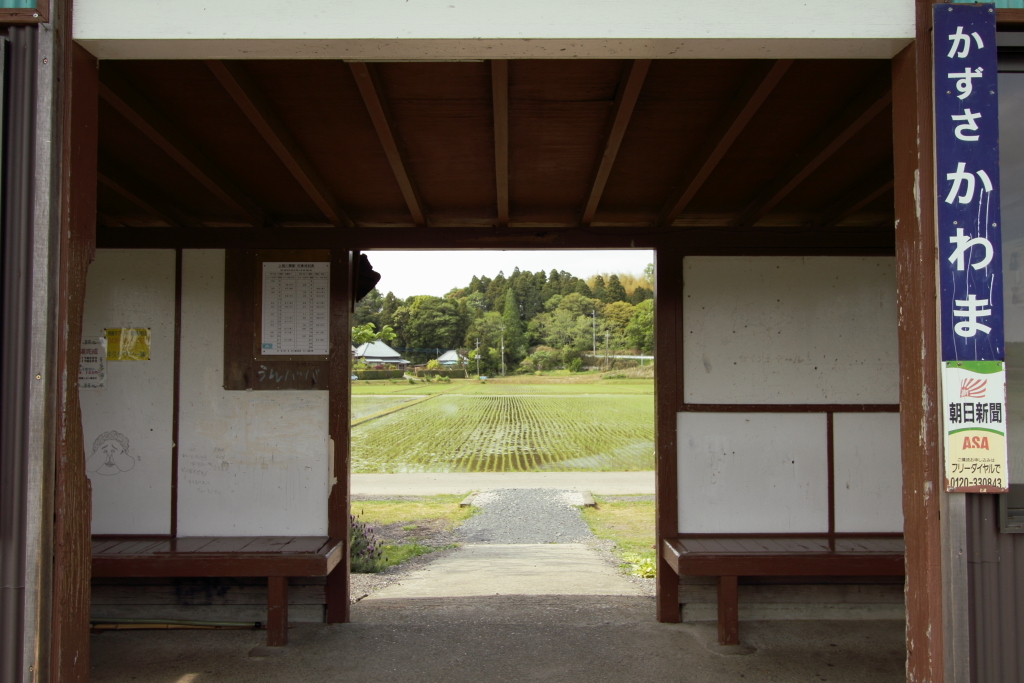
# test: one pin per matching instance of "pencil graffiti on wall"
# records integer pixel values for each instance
(110, 455)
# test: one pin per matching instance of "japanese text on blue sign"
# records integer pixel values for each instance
(967, 164)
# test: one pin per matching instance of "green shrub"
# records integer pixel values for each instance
(640, 565)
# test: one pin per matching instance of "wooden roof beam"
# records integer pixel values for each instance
(868, 104)
(152, 123)
(622, 111)
(752, 94)
(866, 190)
(126, 184)
(369, 87)
(250, 99)
(499, 96)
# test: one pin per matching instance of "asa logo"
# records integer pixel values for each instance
(975, 442)
(973, 388)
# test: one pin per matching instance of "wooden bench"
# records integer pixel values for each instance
(275, 557)
(729, 557)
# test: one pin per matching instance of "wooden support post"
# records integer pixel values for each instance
(728, 611)
(277, 611)
(668, 397)
(339, 400)
(914, 167)
(69, 635)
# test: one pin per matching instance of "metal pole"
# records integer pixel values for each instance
(594, 316)
(502, 350)
(478, 356)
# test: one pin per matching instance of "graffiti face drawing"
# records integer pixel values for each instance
(110, 454)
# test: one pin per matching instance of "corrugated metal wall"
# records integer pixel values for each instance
(16, 259)
(995, 572)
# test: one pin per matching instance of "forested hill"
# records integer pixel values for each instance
(547, 319)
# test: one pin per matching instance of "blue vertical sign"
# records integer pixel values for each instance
(967, 168)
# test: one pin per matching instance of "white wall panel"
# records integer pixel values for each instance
(868, 472)
(790, 330)
(491, 29)
(131, 288)
(250, 462)
(753, 472)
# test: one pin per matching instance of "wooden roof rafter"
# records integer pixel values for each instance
(499, 96)
(141, 195)
(752, 94)
(869, 188)
(152, 123)
(625, 101)
(376, 106)
(865, 106)
(250, 99)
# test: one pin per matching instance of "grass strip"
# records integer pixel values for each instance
(630, 524)
(444, 506)
(424, 512)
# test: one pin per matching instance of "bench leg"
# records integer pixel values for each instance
(277, 611)
(728, 611)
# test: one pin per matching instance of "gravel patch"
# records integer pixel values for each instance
(526, 516)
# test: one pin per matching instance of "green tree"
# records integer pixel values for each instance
(365, 333)
(577, 304)
(515, 339)
(614, 291)
(617, 316)
(640, 330)
(598, 291)
(434, 322)
(368, 309)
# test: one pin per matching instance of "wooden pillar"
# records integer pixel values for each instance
(668, 396)
(277, 611)
(918, 359)
(69, 637)
(339, 421)
(728, 610)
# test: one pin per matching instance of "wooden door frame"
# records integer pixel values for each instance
(915, 290)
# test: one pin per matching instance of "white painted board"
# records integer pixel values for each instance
(790, 329)
(128, 424)
(493, 29)
(868, 472)
(250, 462)
(752, 472)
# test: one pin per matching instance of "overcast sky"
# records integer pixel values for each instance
(407, 273)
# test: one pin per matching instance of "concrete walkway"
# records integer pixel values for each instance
(522, 569)
(429, 484)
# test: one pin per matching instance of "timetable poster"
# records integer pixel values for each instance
(296, 308)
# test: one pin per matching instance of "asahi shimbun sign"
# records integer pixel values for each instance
(970, 262)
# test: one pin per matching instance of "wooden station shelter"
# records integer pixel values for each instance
(776, 155)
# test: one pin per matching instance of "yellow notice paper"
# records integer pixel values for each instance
(127, 343)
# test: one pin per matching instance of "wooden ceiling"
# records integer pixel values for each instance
(535, 143)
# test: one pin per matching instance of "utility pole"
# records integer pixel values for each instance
(502, 350)
(594, 316)
(477, 356)
(606, 364)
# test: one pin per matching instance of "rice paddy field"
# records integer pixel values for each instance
(495, 427)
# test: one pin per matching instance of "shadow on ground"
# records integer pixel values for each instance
(508, 638)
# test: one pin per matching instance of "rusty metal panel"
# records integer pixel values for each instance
(995, 572)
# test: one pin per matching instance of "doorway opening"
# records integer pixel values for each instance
(517, 384)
